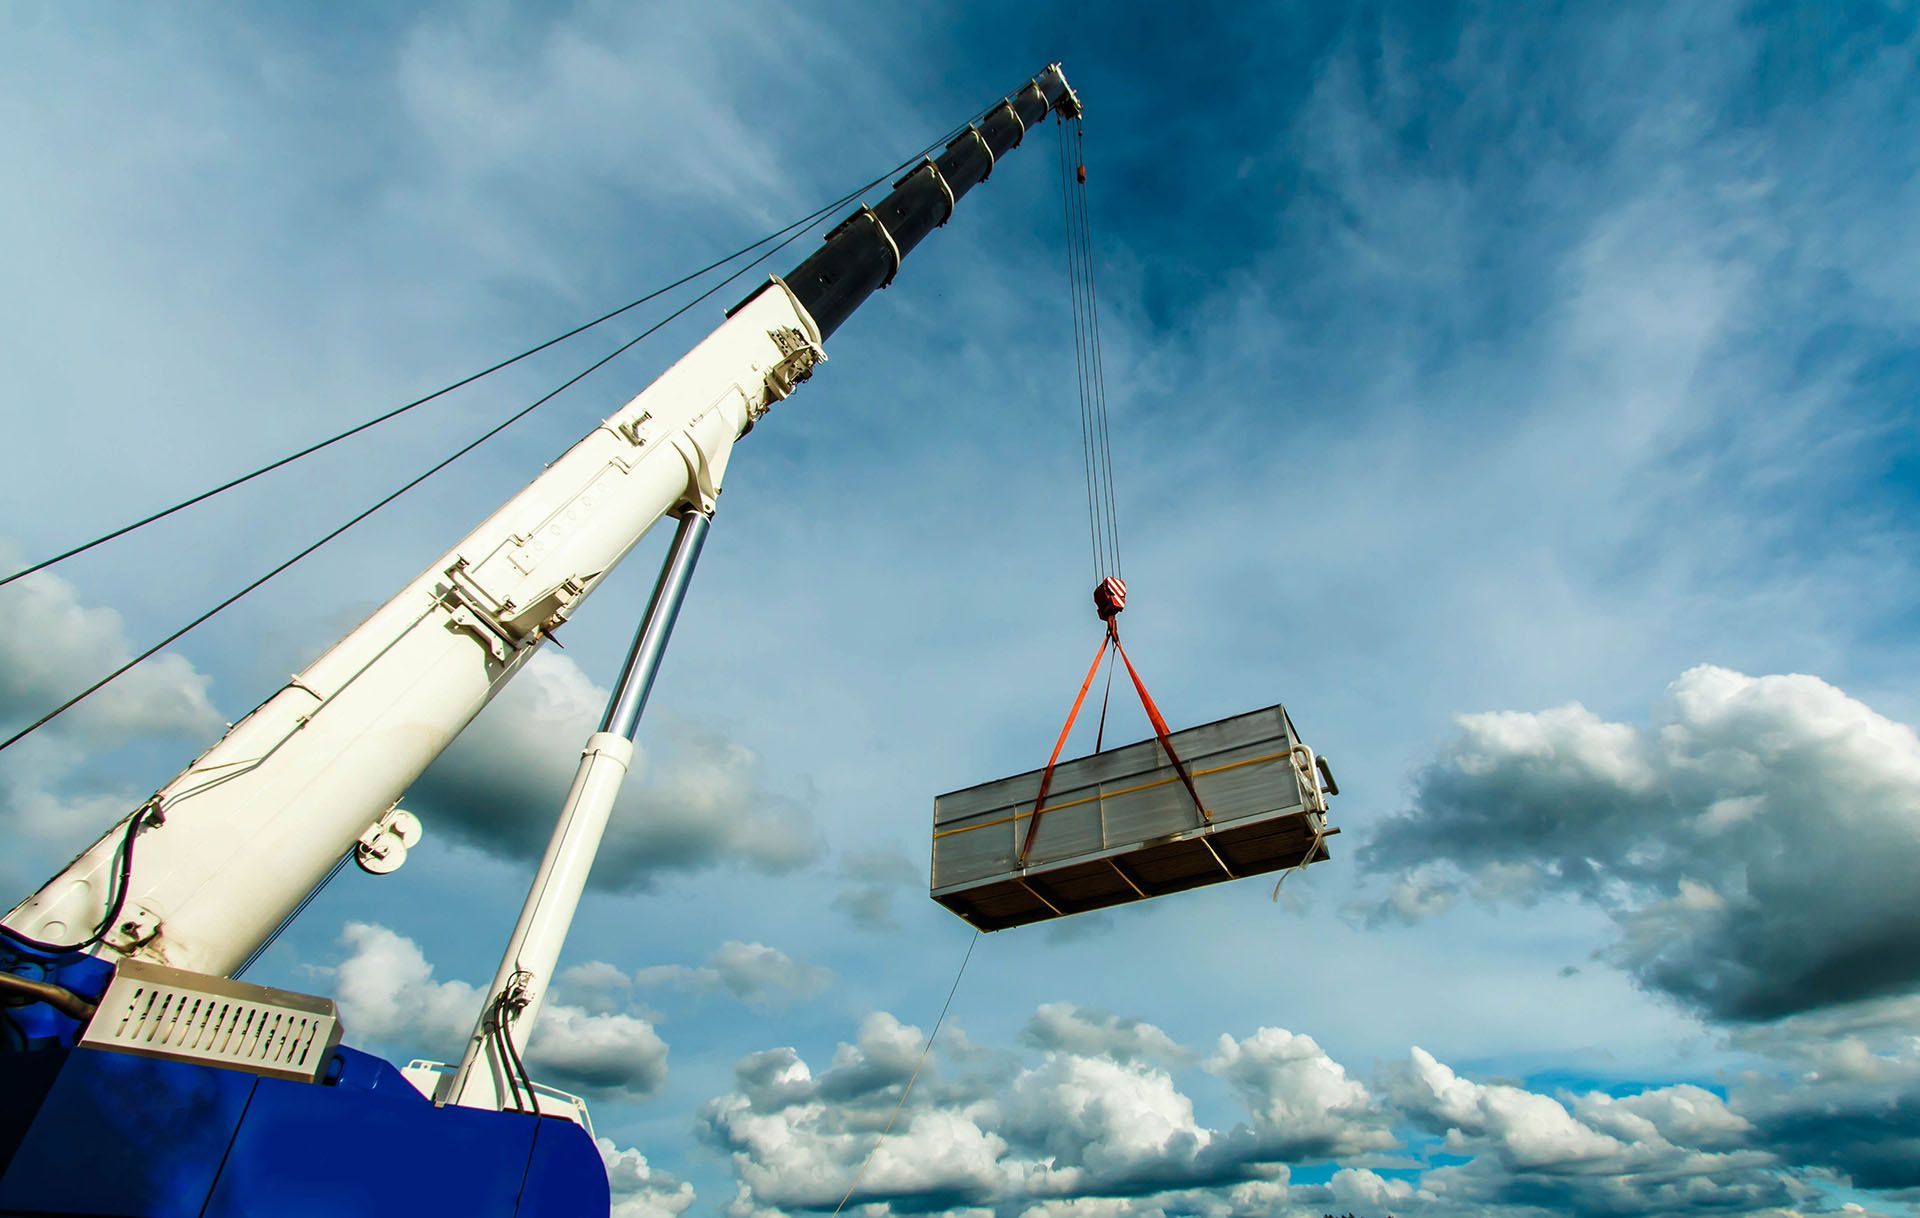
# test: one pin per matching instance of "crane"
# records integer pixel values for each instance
(120, 971)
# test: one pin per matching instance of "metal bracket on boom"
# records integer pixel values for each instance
(799, 356)
(505, 627)
(1020, 128)
(893, 247)
(466, 611)
(939, 179)
(973, 129)
(383, 847)
(138, 926)
(636, 432)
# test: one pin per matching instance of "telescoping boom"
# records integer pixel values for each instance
(117, 972)
(229, 847)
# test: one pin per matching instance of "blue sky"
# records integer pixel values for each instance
(1550, 369)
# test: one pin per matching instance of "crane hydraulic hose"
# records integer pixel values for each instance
(16, 989)
(863, 254)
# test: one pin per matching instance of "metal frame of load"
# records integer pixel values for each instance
(1119, 825)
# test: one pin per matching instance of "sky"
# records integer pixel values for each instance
(1524, 396)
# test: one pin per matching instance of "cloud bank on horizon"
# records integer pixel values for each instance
(1092, 1113)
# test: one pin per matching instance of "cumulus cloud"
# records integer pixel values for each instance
(1848, 1099)
(639, 1190)
(1065, 1028)
(55, 795)
(388, 995)
(71, 645)
(1711, 836)
(1087, 1123)
(595, 986)
(692, 800)
(1102, 1125)
(1075, 1130)
(758, 975)
(796, 1140)
(1668, 1150)
(1302, 1104)
(754, 972)
(1254, 1199)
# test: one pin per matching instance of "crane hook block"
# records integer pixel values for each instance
(1110, 597)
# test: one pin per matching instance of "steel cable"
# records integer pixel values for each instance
(1079, 361)
(1099, 375)
(1096, 439)
(397, 411)
(911, 1078)
(797, 230)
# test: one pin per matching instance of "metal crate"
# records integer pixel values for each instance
(1119, 825)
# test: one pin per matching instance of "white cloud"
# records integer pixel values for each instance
(387, 992)
(640, 1191)
(67, 645)
(1066, 1028)
(691, 801)
(756, 973)
(1097, 1123)
(1077, 1126)
(1708, 836)
(388, 995)
(763, 977)
(612, 1055)
(1301, 1102)
(61, 787)
(1839, 1095)
(595, 986)
(1526, 1129)
(1682, 1114)
(1361, 1188)
(1667, 1150)
(1075, 1135)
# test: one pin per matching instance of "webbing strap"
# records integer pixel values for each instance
(1046, 778)
(1159, 724)
(1160, 730)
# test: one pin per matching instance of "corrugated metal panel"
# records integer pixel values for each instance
(1119, 825)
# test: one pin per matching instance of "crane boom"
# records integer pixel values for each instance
(228, 849)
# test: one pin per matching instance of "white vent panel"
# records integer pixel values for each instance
(156, 1011)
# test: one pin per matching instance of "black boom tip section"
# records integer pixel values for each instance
(863, 254)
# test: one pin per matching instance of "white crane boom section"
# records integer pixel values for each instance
(232, 845)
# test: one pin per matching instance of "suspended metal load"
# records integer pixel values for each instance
(1121, 826)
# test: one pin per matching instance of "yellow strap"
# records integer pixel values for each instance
(1074, 803)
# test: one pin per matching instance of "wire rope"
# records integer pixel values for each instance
(397, 411)
(1099, 376)
(313, 894)
(911, 1078)
(1079, 360)
(1096, 432)
(455, 455)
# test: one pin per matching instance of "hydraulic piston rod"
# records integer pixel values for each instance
(486, 1076)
